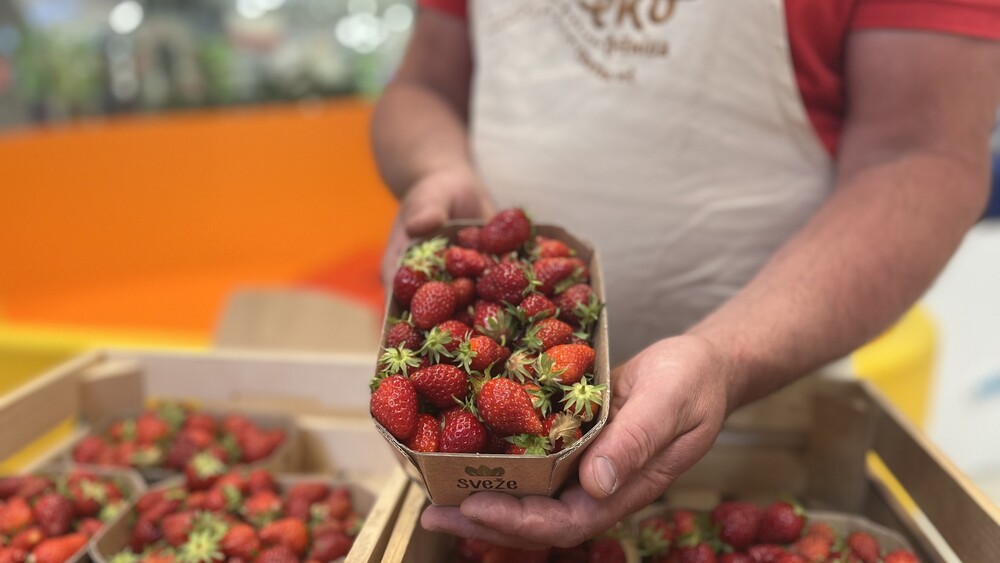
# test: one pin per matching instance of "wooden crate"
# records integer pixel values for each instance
(325, 396)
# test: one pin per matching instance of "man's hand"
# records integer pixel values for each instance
(668, 406)
(434, 199)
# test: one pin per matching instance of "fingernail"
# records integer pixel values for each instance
(607, 478)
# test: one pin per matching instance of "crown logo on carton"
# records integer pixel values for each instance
(483, 471)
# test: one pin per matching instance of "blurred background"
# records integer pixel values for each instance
(159, 157)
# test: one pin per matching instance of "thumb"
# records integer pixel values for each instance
(638, 431)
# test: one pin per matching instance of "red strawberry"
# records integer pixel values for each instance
(33, 485)
(822, 530)
(394, 406)
(900, 556)
(684, 523)
(235, 423)
(58, 550)
(145, 532)
(507, 408)
(566, 363)
(12, 555)
(507, 231)
(150, 428)
(457, 332)
(527, 444)
(655, 536)
(462, 433)
(547, 333)
(520, 365)
(464, 262)
(791, 558)
(234, 479)
(149, 500)
(468, 237)
(89, 526)
(403, 335)
(203, 470)
(256, 444)
(465, 317)
(261, 480)
(701, 553)
(27, 538)
(277, 554)
(814, 547)
(289, 532)
(433, 303)
(9, 486)
(504, 282)
(578, 303)
(864, 546)
(605, 550)
(495, 444)
(499, 554)
(765, 552)
(737, 522)
(309, 490)
(330, 546)
(735, 558)
(480, 352)
(262, 506)
(240, 541)
(87, 450)
(405, 284)
(472, 549)
(427, 437)
(546, 247)
(465, 292)
(15, 515)
(551, 271)
(781, 523)
(536, 306)
(54, 514)
(562, 429)
(490, 319)
(201, 421)
(177, 527)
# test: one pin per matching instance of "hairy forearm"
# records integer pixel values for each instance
(863, 259)
(416, 132)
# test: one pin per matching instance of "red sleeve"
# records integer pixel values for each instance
(973, 18)
(453, 7)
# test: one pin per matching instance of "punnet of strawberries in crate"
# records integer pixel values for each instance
(492, 351)
(609, 547)
(49, 518)
(242, 516)
(741, 532)
(175, 438)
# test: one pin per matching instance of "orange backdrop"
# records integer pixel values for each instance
(150, 222)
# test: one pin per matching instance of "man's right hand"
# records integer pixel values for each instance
(434, 199)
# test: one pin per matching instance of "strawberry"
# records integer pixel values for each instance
(262, 506)
(311, 491)
(499, 554)
(289, 532)
(655, 536)
(465, 292)
(256, 444)
(550, 272)
(15, 515)
(89, 526)
(240, 541)
(177, 527)
(201, 421)
(495, 444)
(547, 333)
(181, 450)
(684, 524)
(701, 553)
(472, 549)
(33, 485)
(528, 444)
(277, 554)
(814, 547)
(150, 428)
(735, 558)
(427, 437)
(504, 282)
(27, 538)
(565, 363)
(737, 523)
(9, 486)
(394, 406)
(546, 247)
(338, 504)
(781, 523)
(490, 319)
(520, 365)
(765, 552)
(403, 335)
(203, 470)
(462, 433)
(58, 550)
(507, 231)
(563, 430)
(433, 303)
(144, 532)
(900, 556)
(480, 352)
(405, 284)
(864, 546)
(822, 530)
(444, 339)
(791, 558)
(87, 450)
(578, 305)
(12, 555)
(234, 479)
(54, 514)
(330, 546)
(507, 408)
(605, 550)
(260, 480)
(536, 306)
(464, 262)
(468, 237)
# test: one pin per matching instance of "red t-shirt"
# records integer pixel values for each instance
(817, 30)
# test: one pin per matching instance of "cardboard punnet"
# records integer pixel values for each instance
(450, 478)
(115, 536)
(325, 395)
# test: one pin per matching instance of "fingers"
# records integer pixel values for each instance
(451, 520)
(425, 210)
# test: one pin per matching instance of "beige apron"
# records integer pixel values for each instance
(670, 133)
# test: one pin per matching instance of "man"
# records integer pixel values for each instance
(769, 185)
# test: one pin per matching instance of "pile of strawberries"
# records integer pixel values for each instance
(176, 437)
(606, 548)
(740, 532)
(47, 520)
(493, 351)
(242, 517)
